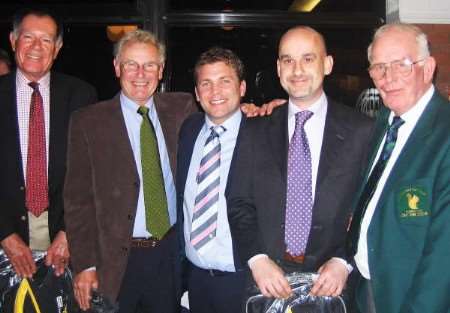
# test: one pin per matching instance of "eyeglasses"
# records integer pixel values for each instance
(399, 67)
(133, 67)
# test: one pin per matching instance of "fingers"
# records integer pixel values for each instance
(332, 279)
(24, 265)
(270, 279)
(58, 254)
(19, 255)
(84, 283)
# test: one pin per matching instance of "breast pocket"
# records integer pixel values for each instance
(414, 201)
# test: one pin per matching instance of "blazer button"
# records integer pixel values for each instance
(282, 225)
(136, 184)
(23, 218)
(22, 188)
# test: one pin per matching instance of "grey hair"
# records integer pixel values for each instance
(140, 36)
(421, 38)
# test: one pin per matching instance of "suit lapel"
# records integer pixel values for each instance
(278, 138)
(422, 130)
(9, 106)
(119, 136)
(58, 120)
(186, 149)
(333, 137)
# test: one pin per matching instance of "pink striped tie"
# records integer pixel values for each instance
(204, 219)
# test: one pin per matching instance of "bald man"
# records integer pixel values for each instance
(299, 169)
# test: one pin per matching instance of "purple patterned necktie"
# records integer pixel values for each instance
(299, 189)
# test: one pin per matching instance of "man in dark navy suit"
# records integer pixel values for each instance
(207, 145)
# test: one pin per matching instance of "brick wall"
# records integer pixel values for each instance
(439, 38)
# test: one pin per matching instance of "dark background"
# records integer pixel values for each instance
(251, 28)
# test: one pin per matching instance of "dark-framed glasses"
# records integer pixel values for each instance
(133, 67)
(399, 67)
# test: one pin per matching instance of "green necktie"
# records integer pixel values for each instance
(156, 214)
(371, 185)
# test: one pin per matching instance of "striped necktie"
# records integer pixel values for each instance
(372, 183)
(204, 219)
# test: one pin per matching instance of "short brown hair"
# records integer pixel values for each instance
(218, 54)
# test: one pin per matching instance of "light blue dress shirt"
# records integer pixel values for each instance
(217, 254)
(133, 122)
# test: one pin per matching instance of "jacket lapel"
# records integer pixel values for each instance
(58, 120)
(422, 130)
(119, 136)
(277, 133)
(9, 107)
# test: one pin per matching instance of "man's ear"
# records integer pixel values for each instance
(328, 64)
(242, 88)
(196, 94)
(428, 69)
(12, 41)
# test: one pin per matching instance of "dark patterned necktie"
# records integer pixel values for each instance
(156, 213)
(36, 195)
(204, 218)
(372, 183)
(299, 188)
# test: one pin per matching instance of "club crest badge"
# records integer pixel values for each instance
(413, 202)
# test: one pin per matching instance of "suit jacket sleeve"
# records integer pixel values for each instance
(242, 215)
(79, 199)
(429, 290)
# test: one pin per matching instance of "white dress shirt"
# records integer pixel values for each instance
(218, 253)
(410, 117)
(24, 92)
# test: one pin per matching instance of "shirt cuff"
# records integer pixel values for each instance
(252, 260)
(347, 265)
(92, 268)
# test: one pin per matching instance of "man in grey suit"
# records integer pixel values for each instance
(282, 179)
(120, 195)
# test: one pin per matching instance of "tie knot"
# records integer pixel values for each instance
(301, 117)
(216, 131)
(143, 110)
(396, 123)
(34, 85)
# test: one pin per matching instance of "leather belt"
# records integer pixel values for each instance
(212, 272)
(296, 259)
(144, 242)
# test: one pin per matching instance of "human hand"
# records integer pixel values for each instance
(83, 284)
(58, 253)
(251, 110)
(269, 278)
(267, 108)
(19, 255)
(332, 278)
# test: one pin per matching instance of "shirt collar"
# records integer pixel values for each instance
(44, 82)
(318, 108)
(130, 105)
(413, 114)
(231, 124)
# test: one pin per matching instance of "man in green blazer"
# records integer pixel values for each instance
(400, 231)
